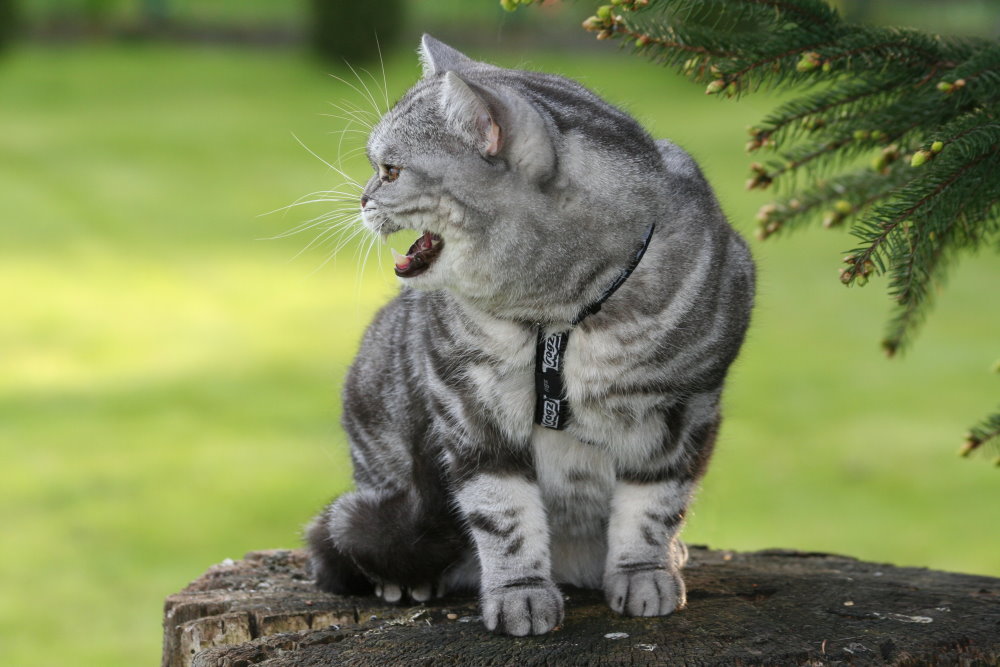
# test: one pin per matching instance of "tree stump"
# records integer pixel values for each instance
(767, 607)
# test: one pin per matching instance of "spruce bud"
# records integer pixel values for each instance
(765, 212)
(937, 147)
(919, 158)
(604, 12)
(861, 135)
(809, 62)
(593, 23)
(716, 86)
(642, 41)
(945, 86)
(843, 207)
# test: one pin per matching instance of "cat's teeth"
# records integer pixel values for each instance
(402, 261)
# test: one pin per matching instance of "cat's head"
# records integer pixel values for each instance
(526, 191)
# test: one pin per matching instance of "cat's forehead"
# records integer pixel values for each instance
(416, 117)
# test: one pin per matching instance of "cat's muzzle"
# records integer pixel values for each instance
(419, 257)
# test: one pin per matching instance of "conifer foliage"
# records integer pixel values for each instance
(895, 133)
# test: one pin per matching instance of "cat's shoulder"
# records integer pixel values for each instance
(678, 162)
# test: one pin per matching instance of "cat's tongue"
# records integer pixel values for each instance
(419, 257)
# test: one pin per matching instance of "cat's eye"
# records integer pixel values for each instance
(388, 173)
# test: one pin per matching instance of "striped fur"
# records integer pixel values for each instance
(456, 487)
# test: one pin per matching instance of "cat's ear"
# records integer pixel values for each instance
(498, 123)
(438, 57)
(467, 112)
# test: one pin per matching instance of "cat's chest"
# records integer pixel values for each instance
(594, 368)
(576, 481)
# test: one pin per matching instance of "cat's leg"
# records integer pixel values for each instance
(507, 518)
(391, 542)
(642, 572)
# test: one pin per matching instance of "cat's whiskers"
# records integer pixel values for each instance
(343, 132)
(368, 90)
(360, 114)
(372, 242)
(343, 174)
(348, 155)
(343, 225)
(385, 83)
(338, 218)
(355, 232)
(379, 87)
(352, 116)
(330, 233)
(347, 129)
(338, 196)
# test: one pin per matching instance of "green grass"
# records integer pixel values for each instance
(168, 383)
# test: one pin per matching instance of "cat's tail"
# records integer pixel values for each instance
(375, 535)
(334, 571)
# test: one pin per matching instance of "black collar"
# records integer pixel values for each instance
(551, 405)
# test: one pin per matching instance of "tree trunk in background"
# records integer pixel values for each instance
(767, 607)
(346, 30)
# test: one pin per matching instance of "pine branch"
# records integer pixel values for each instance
(984, 432)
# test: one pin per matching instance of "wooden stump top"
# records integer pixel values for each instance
(767, 607)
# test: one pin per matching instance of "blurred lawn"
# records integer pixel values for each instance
(168, 383)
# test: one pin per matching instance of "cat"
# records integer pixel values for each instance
(535, 201)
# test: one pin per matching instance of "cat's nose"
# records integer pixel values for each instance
(364, 200)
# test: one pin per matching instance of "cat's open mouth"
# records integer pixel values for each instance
(419, 257)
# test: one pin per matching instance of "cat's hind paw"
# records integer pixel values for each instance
(654, 591)
(394, 593)
(522, 608)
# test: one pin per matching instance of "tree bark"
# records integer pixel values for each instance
(767, 607)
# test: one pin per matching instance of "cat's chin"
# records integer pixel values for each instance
(420, 257)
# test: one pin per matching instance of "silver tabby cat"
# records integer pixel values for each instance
(531, 196)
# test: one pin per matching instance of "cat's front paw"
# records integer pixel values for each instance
(521, 608)
(654, 591)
